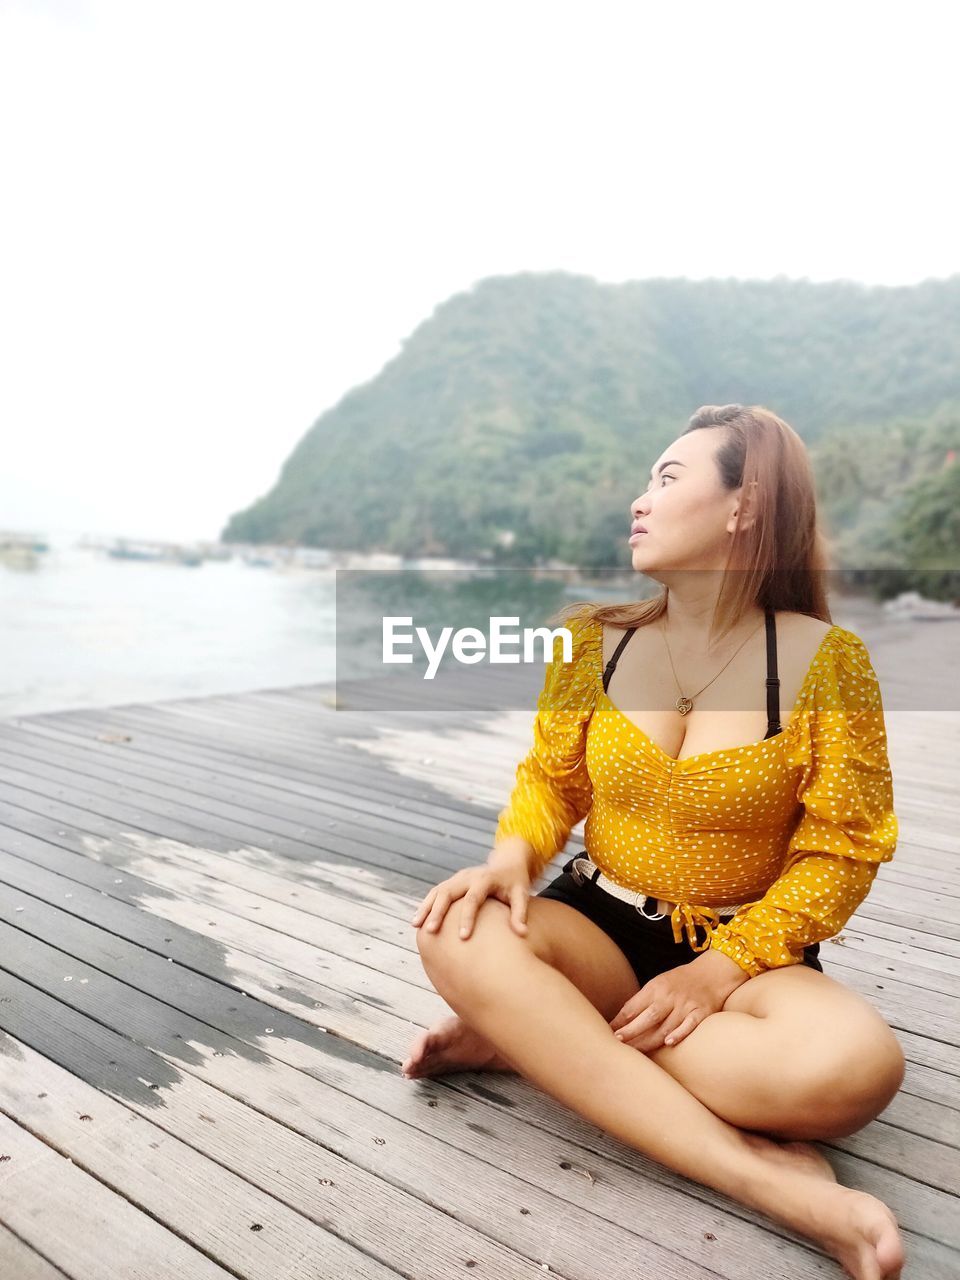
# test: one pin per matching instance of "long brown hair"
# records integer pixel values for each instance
(778, 562)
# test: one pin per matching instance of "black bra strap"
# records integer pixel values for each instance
(773, 680)
(609, 669)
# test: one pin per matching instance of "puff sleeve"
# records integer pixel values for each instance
(846, 827)
(553, 790)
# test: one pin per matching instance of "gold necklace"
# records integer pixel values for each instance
(683, 703)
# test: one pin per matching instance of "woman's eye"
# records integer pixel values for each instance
(666, 476)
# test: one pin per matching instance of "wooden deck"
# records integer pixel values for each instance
(208, 980)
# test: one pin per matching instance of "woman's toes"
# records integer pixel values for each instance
(418, 1055)
(426, 1047)
(865, 1237)
(449, 1045)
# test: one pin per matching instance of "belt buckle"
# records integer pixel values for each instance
(577, 871)
(640, 905)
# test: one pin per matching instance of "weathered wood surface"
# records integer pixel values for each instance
(208, 979)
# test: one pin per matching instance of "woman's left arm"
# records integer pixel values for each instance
(807, 904)
(812, 901)
(847, 827)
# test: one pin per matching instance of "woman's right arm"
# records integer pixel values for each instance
(553, 790)
(551, 794)
(512, 851)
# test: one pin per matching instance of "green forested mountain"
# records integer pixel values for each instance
(533, 405)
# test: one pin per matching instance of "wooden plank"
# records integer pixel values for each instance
(224, 933)
(900, 1003)
(874, 916)
(931, 1157)
(497, 735)
(321, 936)
(352, 796)
(363, 748)
(191, 769)
(343, 773)
(901, 856)
(933, 1053)
(20, 1262)
(851, 952)
(79, 1224)
(930, 1084)
(368, 908)
(190, 1155)
(314, 1102)
(110, 813)
(311, 794)
(226, 816)
(872, 933)
(925, 1011)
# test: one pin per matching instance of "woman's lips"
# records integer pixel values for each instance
(641, 533)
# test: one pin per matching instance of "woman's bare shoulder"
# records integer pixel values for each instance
(799, 637)
(612, 633)
(800, 626)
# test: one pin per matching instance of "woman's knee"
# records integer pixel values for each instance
(850, 1084)
(875, 1082)
(444, 948)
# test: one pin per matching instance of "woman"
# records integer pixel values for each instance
(677, 963)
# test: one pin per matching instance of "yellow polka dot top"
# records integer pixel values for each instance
(791, 829)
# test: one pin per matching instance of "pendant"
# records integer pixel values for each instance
(683, 704)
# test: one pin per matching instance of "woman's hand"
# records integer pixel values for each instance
(509, 883)
(669, 1006)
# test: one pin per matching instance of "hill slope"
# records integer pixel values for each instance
(536, 403)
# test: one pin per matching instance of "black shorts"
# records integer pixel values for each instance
(648, 944)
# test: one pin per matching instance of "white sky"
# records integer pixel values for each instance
(218, 217)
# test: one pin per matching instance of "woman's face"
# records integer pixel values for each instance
(688, 515)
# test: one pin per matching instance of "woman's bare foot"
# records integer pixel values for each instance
(855, 1228)
(860, 1232)
(450, 1045)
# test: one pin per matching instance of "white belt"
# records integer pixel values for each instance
(636, 897)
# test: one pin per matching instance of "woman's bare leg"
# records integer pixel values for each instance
(542, 1023)
(838, 1063)
(565, 939)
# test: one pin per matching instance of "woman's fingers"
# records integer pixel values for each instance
(438, 911)
(639, 1002)
(424, 906)
(519, 897)
(473, 900)
(474, 885)
(650, 1017)
(675, 1035)
(471, 904)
